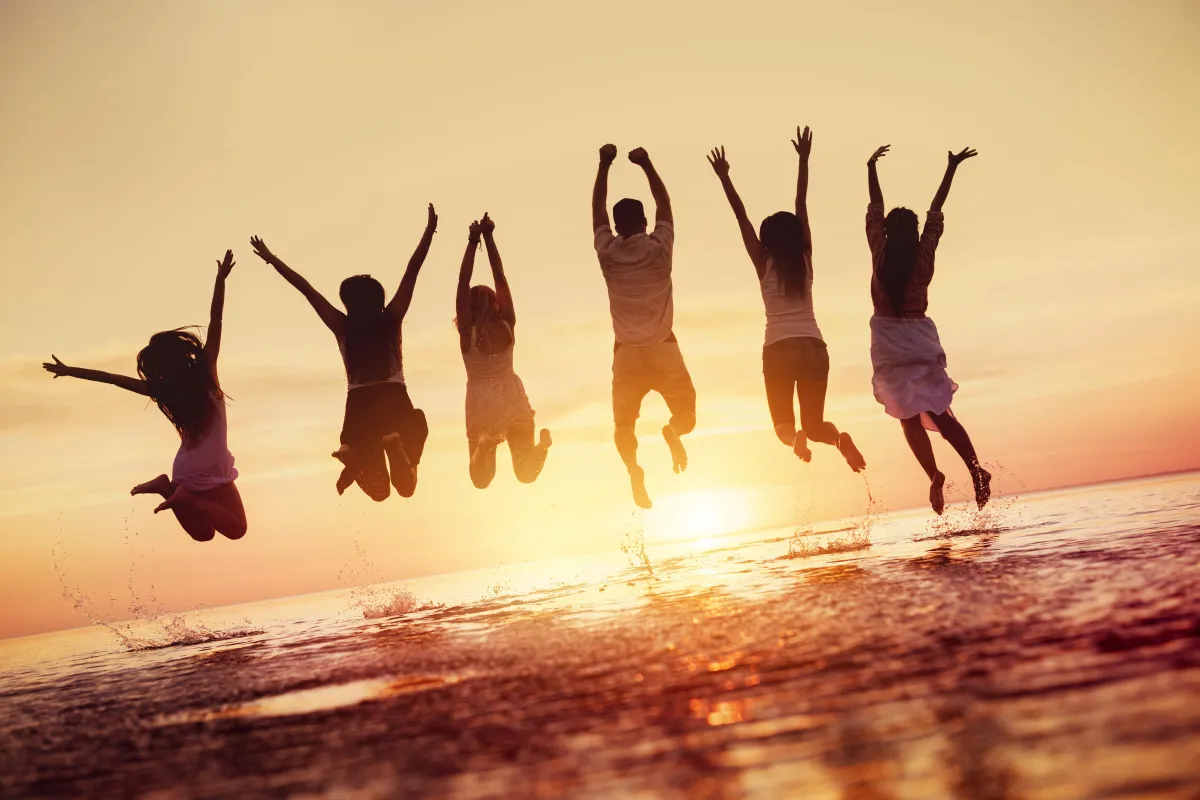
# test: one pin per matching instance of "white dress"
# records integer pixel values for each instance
(209, 463)
(496, 397)
(910, 368)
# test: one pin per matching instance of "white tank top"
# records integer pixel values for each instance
(788, 316)
(209, 464)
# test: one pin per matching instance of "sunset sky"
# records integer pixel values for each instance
(142, 139)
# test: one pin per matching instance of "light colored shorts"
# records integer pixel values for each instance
(638, 370)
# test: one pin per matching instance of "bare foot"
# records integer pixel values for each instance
(678, 454)
(180, 495)
(544, 440)
(850, 453)
(160, 486)
(345, 481)
(983, 486)
(936, 498)
(341, 453)
(637, 479)
(800, 447)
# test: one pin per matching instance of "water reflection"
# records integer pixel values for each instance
(1041, 658)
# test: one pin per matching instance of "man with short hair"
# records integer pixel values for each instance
(646, 356)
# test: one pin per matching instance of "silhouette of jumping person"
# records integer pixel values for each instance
(795, 358)
(646, 355)
(380, 418)
(497, 409)
(179, 373)
(909, 363)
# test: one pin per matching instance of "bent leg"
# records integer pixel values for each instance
(674, 383)
(404, 474)
(483, 462)
(371, 472)
(779, 379)
(200, 513)
(528, 458)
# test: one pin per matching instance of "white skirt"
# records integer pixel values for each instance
(910, 368)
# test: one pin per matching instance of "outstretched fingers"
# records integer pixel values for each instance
(879, 153)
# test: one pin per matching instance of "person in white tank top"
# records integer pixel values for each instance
(795, 358)
(179, 374)
(497, 409)
(380, 419)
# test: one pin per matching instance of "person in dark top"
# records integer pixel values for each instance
(380, 418)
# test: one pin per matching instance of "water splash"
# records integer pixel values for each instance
(633, 543)
(805, 543)
(966, 519)
(146, 624)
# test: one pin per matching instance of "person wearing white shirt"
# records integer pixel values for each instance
(646, 356)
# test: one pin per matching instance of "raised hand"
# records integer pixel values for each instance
(486, 224)
(803, 141)
(954, 159)
(56, 367)
(260, 250)
(474, 230)
(608, 154)
(225, 265)
(879, 153)
(717, 159)
(431, 222)
(639, 156)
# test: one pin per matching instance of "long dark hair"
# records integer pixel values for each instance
(899, 255)
(783, 238)
(372, 339)
(181, 382)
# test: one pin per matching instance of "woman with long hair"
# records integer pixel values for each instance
(380, 418)
(795, 358)
(910, 379)
(497, 409)
(179, 373)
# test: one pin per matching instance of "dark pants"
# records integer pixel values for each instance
(800, 364)
(373, 412)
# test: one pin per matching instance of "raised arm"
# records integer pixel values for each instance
(402, 299)
(952, 162)
(58, 369)
(803, 145)
(462, 299)
(334, 320)
(212, 342)
(873, 176)
(662, 200)
(749, 236)
(608, 153)
(503, 293)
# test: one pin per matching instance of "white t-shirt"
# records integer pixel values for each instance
(637, 270)
(788, 316)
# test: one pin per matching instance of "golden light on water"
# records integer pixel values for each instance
(700, 515)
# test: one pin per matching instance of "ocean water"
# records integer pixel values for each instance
(1048, 647)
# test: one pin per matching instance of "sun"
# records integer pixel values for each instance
(700, 514)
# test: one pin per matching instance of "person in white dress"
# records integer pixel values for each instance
(497, 409)
(910, 378)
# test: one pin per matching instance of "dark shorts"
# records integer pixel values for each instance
(803, 363)
(375, 411)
